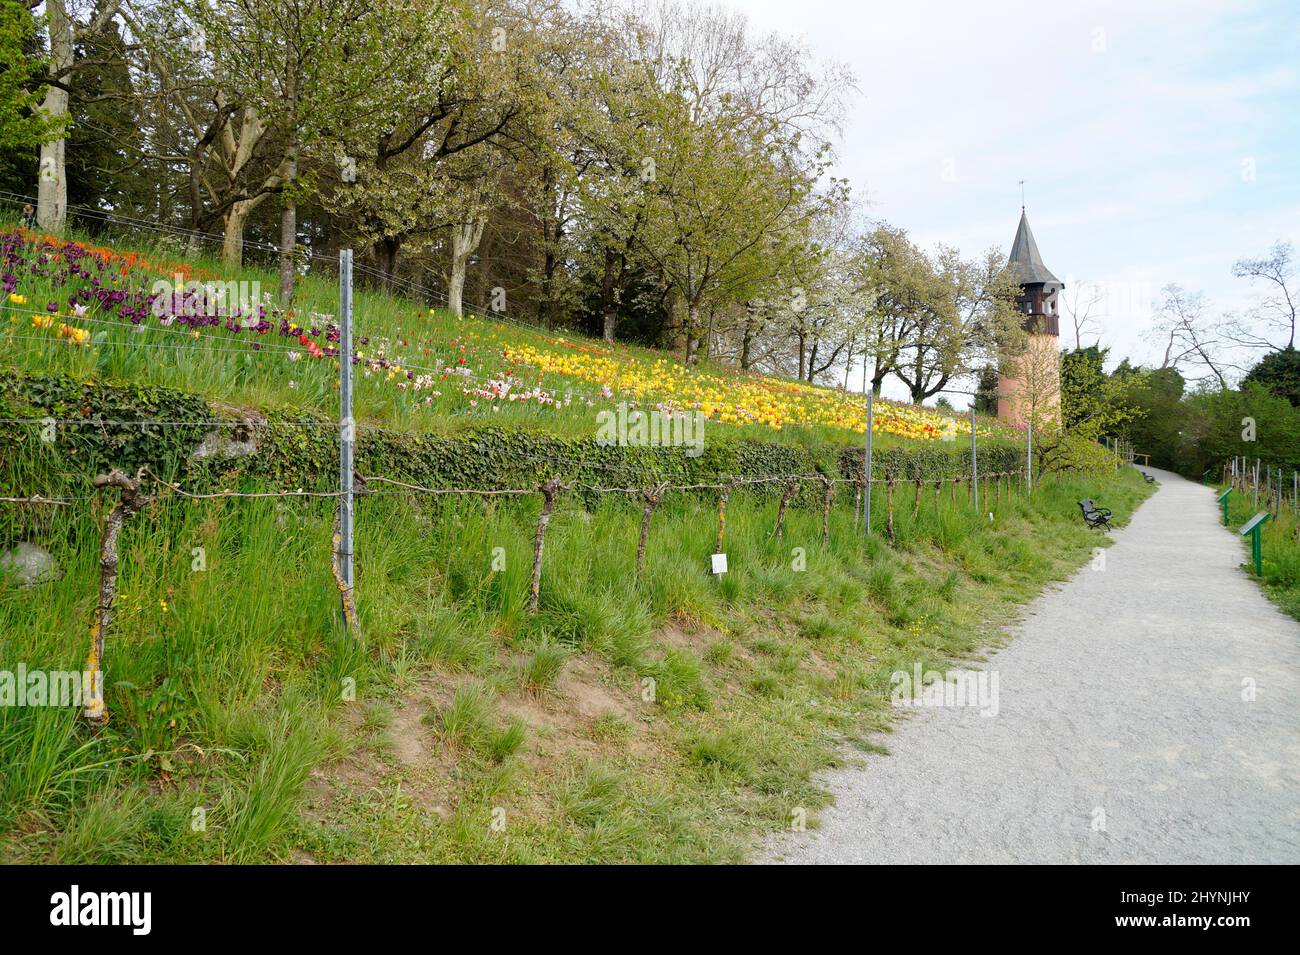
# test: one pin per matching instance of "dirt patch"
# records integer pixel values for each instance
(687, 633)
(589, 686)
(410, 735)
(814, 663)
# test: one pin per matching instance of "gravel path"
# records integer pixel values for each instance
(1121, 736)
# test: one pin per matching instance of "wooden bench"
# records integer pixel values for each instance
(1148, 478)
(1095, 516)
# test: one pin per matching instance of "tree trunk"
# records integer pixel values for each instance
(385, 251)
(465, 238)
(692, 327)
(545, 307)
(129, 503)
(232, 244)
(289, 231)
(747, 338)
(52, 186)
(608, 304)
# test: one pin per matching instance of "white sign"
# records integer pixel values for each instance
(719, 563)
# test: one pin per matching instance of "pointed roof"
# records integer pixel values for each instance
(1025, 259)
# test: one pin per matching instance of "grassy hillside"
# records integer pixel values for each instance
(672, 717)
(417, 367)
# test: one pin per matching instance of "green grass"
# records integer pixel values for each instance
(673, 717)
(1281, 550)
(232, 703)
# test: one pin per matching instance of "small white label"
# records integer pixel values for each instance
(719, 563)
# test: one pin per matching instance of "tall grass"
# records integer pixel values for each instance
(1281, 550)
(225, 684)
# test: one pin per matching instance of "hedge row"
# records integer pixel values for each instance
(302, 452)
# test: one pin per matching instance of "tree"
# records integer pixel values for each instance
(899, 281)
(23, 125)
(1068, 429)
(1079, 304)
(721, 194)
(107, 145)
(304, 72)
(462, 88)
(1188, 337)
(1279, 373)
(733, 148)
(1157, 421)
(1082, 373)
(1277, 271)
(986, 391)
(468, 195)
(67, 25)
(961, 329)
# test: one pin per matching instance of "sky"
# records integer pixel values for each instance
(1159, 141)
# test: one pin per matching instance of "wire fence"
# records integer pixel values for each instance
(146, 488)
(1263, 483)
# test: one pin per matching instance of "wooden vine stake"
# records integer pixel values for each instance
(791, 490)
(889, 508)
(916, 502)
(130, 502)
(549, 491)
(346, 596)
(828, 495)
(722, 516)
(652, 498)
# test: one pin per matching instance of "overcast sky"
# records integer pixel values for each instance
(1159, 141)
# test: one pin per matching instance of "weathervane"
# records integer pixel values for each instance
(1022, 195)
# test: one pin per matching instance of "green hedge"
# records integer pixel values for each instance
(302, 452)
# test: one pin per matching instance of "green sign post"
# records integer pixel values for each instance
(1223, 499)
(1253, 527)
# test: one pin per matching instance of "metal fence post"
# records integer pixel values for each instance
(1029, 457)
(866, 473)
(347, 425)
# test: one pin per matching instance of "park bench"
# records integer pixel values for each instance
(1148, 478)
(1095, 516)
